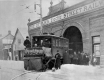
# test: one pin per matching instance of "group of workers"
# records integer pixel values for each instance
(80, 58)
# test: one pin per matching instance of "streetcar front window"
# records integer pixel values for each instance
(47, 42)
(41, 41)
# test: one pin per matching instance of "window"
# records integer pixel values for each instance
(96, 39)
(54, 42)
(96, 45)
(96, 48)
(57, 42)
(19, 41)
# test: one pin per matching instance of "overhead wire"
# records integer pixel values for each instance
(23, 9)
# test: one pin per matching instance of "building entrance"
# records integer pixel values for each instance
(75, 39)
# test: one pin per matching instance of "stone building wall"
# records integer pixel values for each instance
(90, 23)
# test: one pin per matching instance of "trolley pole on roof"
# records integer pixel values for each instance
(41, 25)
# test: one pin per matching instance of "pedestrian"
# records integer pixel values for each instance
(10, 55)
(27, 43)
(75, 58)
(86, 59)
(79, 58)
(66, 58)
(94, 60)
(58, 60)
(82, 58)
(71, 58)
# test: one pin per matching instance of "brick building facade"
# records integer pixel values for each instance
(82, 24)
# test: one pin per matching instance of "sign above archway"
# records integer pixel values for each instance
(79, 10)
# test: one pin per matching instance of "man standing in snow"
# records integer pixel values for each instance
(66, 58)
(79, 58)
(58, 60)
(94, 60)
(75, 58)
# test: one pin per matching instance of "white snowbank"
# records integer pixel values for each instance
(75, 72)
(77, 69)
(69, 72)
(12, 64)
(11, 69)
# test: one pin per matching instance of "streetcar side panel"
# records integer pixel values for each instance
(59, 44)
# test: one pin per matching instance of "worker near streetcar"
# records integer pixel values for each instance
(27, 43)
(66, 57)
(58, 60)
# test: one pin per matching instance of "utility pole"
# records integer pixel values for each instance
(41, 25)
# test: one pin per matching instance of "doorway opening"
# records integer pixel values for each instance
(75, 39)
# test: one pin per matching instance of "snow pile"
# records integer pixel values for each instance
(77, 69)
(78, 72)
(11, 69)
(19, 65)
(75, 72)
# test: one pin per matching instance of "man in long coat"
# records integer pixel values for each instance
(58, 60)
(66, 58)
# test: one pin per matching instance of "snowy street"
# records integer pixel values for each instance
(8, 71)
(70, 72)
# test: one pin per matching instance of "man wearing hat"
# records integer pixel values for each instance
(27, 43)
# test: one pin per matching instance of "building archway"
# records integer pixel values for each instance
(75, 38)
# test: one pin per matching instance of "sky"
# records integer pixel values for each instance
(15, 14)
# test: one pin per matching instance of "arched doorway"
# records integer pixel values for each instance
(75, 39)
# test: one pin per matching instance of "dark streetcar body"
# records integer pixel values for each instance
(41, 55)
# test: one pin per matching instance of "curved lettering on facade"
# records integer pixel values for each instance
(88, 7)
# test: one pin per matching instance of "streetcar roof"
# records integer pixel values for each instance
(50, 36)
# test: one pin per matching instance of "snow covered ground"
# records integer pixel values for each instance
(70, 72)
(14, 70)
